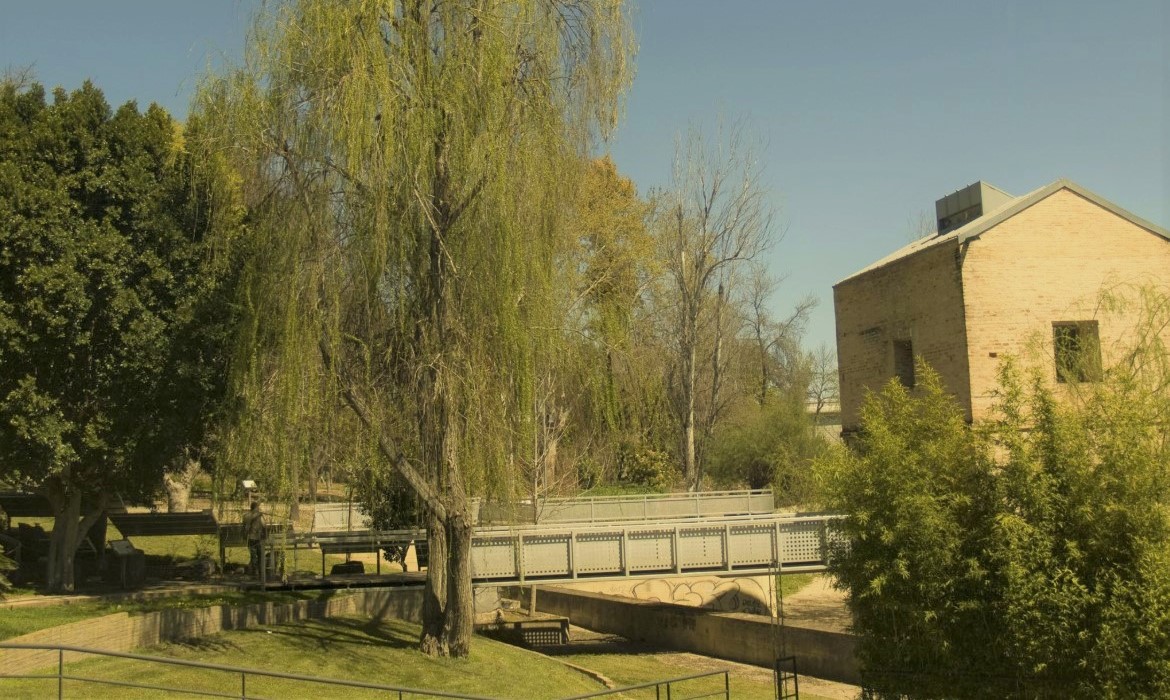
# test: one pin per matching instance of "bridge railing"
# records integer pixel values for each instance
(567, 552)
(656, 506)
(750, 544)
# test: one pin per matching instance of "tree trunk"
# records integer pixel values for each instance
(460, 621)
(688, 418)
(432, 641)
(68, 529)
(63, 539)
(178, 485)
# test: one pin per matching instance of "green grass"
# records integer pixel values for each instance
(791, 583)
(21, 620)
(346, 648)
(633, 669)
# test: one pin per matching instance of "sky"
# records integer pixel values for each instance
(867, 112)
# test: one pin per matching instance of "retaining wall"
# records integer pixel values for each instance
(738, 637)
(124, 632)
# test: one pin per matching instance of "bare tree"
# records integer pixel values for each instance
(773, 340)
(717, 220)
(823, 388)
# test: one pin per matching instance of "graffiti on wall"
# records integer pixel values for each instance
(741, 595)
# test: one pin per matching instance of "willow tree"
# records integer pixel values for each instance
(410, 162)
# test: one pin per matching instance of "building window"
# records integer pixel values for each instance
(1077, 350)
(904, 362)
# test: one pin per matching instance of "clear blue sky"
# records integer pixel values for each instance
(871, 110)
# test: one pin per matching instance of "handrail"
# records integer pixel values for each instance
(226, 669)
(560, 528)
(656, 684)
(244, 672)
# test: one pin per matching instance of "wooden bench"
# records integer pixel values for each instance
(165, 524)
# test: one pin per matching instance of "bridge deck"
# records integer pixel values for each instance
(558, 554)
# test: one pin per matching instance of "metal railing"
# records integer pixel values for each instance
(244, 673)
(640, 507)
(667, 688)
(562, 553)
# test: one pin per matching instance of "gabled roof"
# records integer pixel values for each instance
(978, 227)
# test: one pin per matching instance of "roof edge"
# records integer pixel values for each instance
(1047, 191)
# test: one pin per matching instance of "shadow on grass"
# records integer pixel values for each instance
(320, 635)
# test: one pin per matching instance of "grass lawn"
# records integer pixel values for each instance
(19, 621)
(22, 620)
(632, 669)
(791, 583)
(344, 648)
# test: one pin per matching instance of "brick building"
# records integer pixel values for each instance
(1003, 275)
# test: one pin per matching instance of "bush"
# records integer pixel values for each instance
(644, 466)
(770, 445)
(1026, 558)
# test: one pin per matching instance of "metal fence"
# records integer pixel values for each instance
(401, 693)
(671, 688)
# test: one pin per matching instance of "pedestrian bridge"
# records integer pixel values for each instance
(559, 540)
(557, 553)
(757, 544)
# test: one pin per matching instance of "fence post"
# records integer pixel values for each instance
(243, 685)
(727, 685)
(60, 673)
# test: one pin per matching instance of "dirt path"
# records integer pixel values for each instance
(818, 606)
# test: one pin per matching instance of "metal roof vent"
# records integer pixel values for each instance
(966, 205)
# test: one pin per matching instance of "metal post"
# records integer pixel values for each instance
(727, 546)
(676, 546)
(625, 551)
(726, 685)
(243, 685)
(60, 674)
(520, 556)
(657, 692)
(572, 555)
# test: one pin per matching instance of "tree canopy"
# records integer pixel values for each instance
(102, 251)
(410, 164)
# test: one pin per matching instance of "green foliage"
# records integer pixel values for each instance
(6, 565)
(107, 365)
(1024, 558)
(642, 466)
(770, 445)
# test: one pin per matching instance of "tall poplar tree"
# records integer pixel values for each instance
(409, 164)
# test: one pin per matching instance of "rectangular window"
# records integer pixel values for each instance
(1076, 348)
(904, 362)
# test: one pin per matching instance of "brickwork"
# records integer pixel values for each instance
(966, 306)
(1050, 263)
(918, 298)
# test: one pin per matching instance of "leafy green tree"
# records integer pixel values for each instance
(411, 162)
(771, 445)
(1022, 558)
(102, 246)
